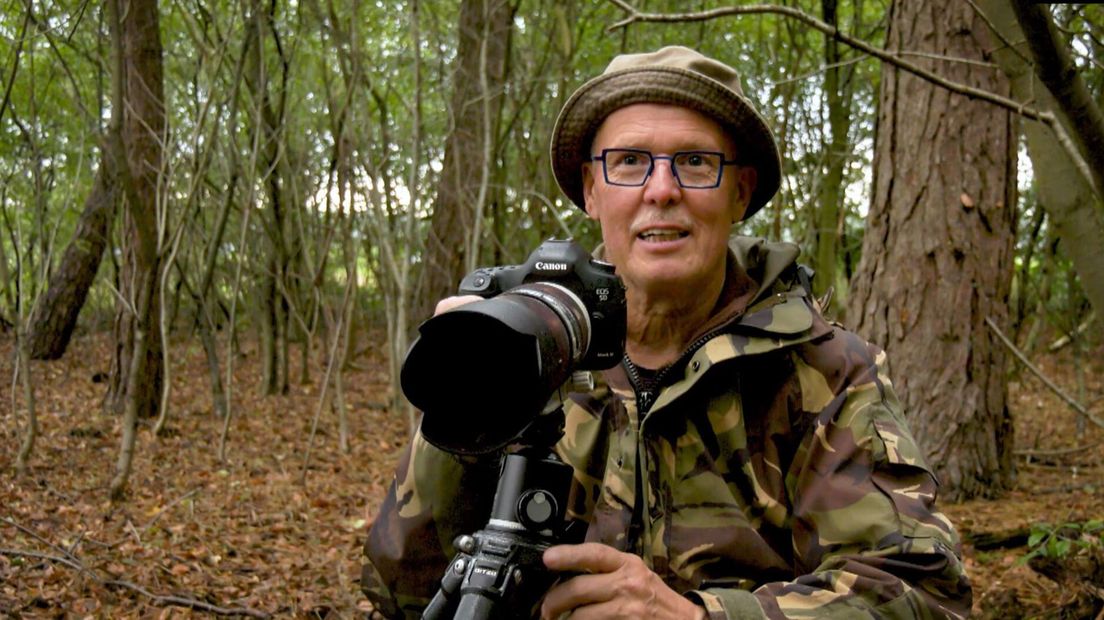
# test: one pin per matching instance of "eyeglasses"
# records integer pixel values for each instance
(692, 169)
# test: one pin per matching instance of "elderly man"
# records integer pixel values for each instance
(747, 459)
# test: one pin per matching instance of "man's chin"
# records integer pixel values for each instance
(669, 274)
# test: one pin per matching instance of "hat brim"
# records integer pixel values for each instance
(584, 112)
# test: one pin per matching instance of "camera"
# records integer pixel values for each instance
(502, 358)
(582, 291)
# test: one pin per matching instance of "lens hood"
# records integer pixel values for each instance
(480, 373)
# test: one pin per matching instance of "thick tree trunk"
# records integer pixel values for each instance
(937, 252)
(143, 135)
(1066, 196)
(480, 63)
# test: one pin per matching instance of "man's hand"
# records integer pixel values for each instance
(616, 585)
(455, 301)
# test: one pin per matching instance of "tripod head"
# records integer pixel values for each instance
(498, 572)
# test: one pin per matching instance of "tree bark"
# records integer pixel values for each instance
(485, 27)
(937, 252)
(30, 432)
(275, 283)
(136, 374)
(143, 133)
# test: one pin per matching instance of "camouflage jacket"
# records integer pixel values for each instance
(772, 476)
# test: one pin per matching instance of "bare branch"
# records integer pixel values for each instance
(69, 560)
(858, 44)
(158, 600)
(1057, 71)
(161, 600)
(889, 57)
(168, 507)
(1059, 451)
(43, 556)
(15, 63)
(996, 31)
(1078, 407)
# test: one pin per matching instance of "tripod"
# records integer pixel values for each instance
(498, 571)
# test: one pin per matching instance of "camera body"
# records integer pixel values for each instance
(565, 263)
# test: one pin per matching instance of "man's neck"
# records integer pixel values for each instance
(660, 326)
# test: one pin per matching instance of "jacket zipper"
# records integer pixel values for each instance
(646, 398)
(644, 401)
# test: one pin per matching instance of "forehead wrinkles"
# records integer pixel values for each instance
(661, 128)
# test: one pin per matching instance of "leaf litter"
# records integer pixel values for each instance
(245, 534)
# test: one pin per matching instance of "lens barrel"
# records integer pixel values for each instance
(481, 372)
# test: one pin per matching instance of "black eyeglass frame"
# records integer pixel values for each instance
(674, 168)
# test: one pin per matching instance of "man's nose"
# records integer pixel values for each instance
(662, 187)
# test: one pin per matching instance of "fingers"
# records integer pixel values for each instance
(583, 591)
(614, 585)
(610, 586)
(455, 301)
(586, 558)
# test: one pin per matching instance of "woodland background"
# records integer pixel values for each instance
(221, 222)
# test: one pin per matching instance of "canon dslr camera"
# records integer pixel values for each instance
(501, 359)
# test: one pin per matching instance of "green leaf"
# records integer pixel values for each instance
(1063, 548)
(1035, 538)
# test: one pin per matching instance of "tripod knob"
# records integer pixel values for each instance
(537, 509)
(465, 543)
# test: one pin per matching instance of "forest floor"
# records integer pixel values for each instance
(252, 533)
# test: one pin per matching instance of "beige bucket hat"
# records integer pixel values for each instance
(673, 75)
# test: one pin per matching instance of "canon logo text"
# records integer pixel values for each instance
(552, 266)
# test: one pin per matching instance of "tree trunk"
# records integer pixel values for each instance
(137, 371)
(937, 252)
(1055, 67)
(1065, 194)
(143, 133)
(481, 63)
(829, 211)
(55, 316)
(30, 432)
(276, 285)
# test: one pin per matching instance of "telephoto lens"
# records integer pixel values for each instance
(481, 372)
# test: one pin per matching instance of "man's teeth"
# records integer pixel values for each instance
(662, 235)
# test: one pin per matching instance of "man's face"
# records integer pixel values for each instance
(665, 239)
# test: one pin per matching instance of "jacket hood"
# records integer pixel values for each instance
(763, 261)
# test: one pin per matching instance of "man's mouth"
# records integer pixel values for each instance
(662, 234)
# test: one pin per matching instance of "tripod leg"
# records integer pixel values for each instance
(443, 604)
(475, 606)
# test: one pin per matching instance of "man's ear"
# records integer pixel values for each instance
(588, 191)
(746, 178)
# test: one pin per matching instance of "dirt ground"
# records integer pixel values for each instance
(267, 532)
